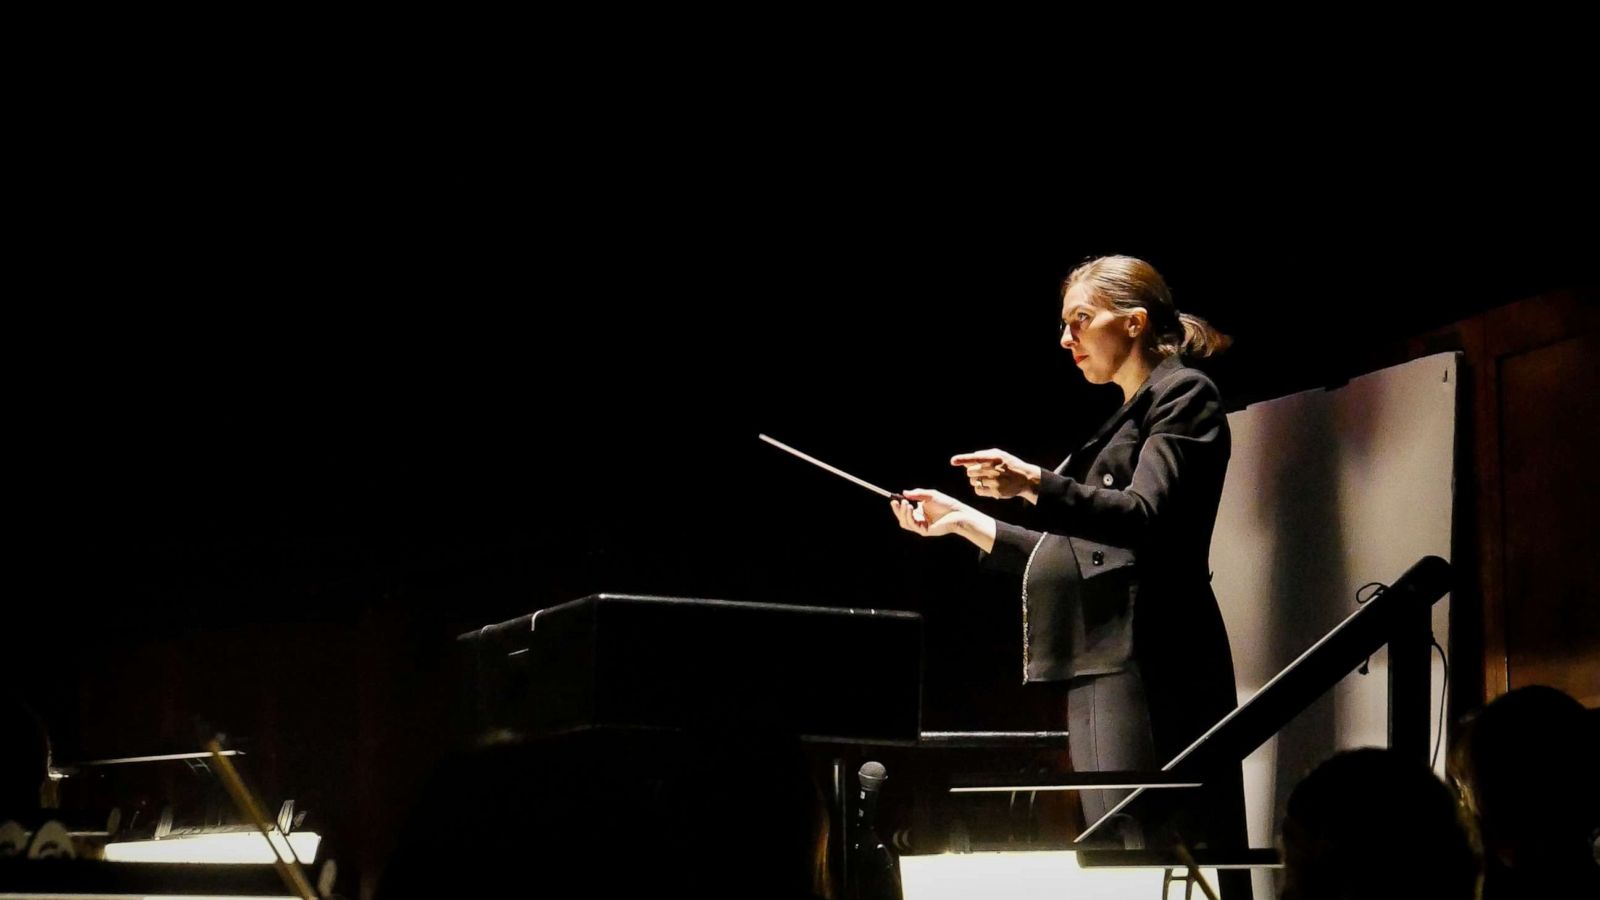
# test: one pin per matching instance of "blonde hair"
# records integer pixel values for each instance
(1124, 284)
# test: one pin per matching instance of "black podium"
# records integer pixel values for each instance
(645, 662)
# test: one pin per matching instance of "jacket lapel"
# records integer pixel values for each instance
(1163, 370)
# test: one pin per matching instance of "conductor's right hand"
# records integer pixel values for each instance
(934, 513)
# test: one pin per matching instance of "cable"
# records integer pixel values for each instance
(1444, 692)
(1444, 688)
(1381, 587)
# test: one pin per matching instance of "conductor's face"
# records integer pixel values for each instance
(1097, 338)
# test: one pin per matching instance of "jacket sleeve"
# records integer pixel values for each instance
(1012, 546)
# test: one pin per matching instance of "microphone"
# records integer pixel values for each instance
(874, 869)
(872, 776)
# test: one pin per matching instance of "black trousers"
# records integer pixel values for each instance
(1108, 729)
(1139, 719)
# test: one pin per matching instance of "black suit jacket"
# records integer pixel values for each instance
(1120, 570)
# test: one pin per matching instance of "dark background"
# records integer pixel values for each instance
(279, 390)
(319, 386)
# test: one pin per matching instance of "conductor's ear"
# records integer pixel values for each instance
(1137, 321)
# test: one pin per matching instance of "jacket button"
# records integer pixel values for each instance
(1097, 558)
(1107, 480)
